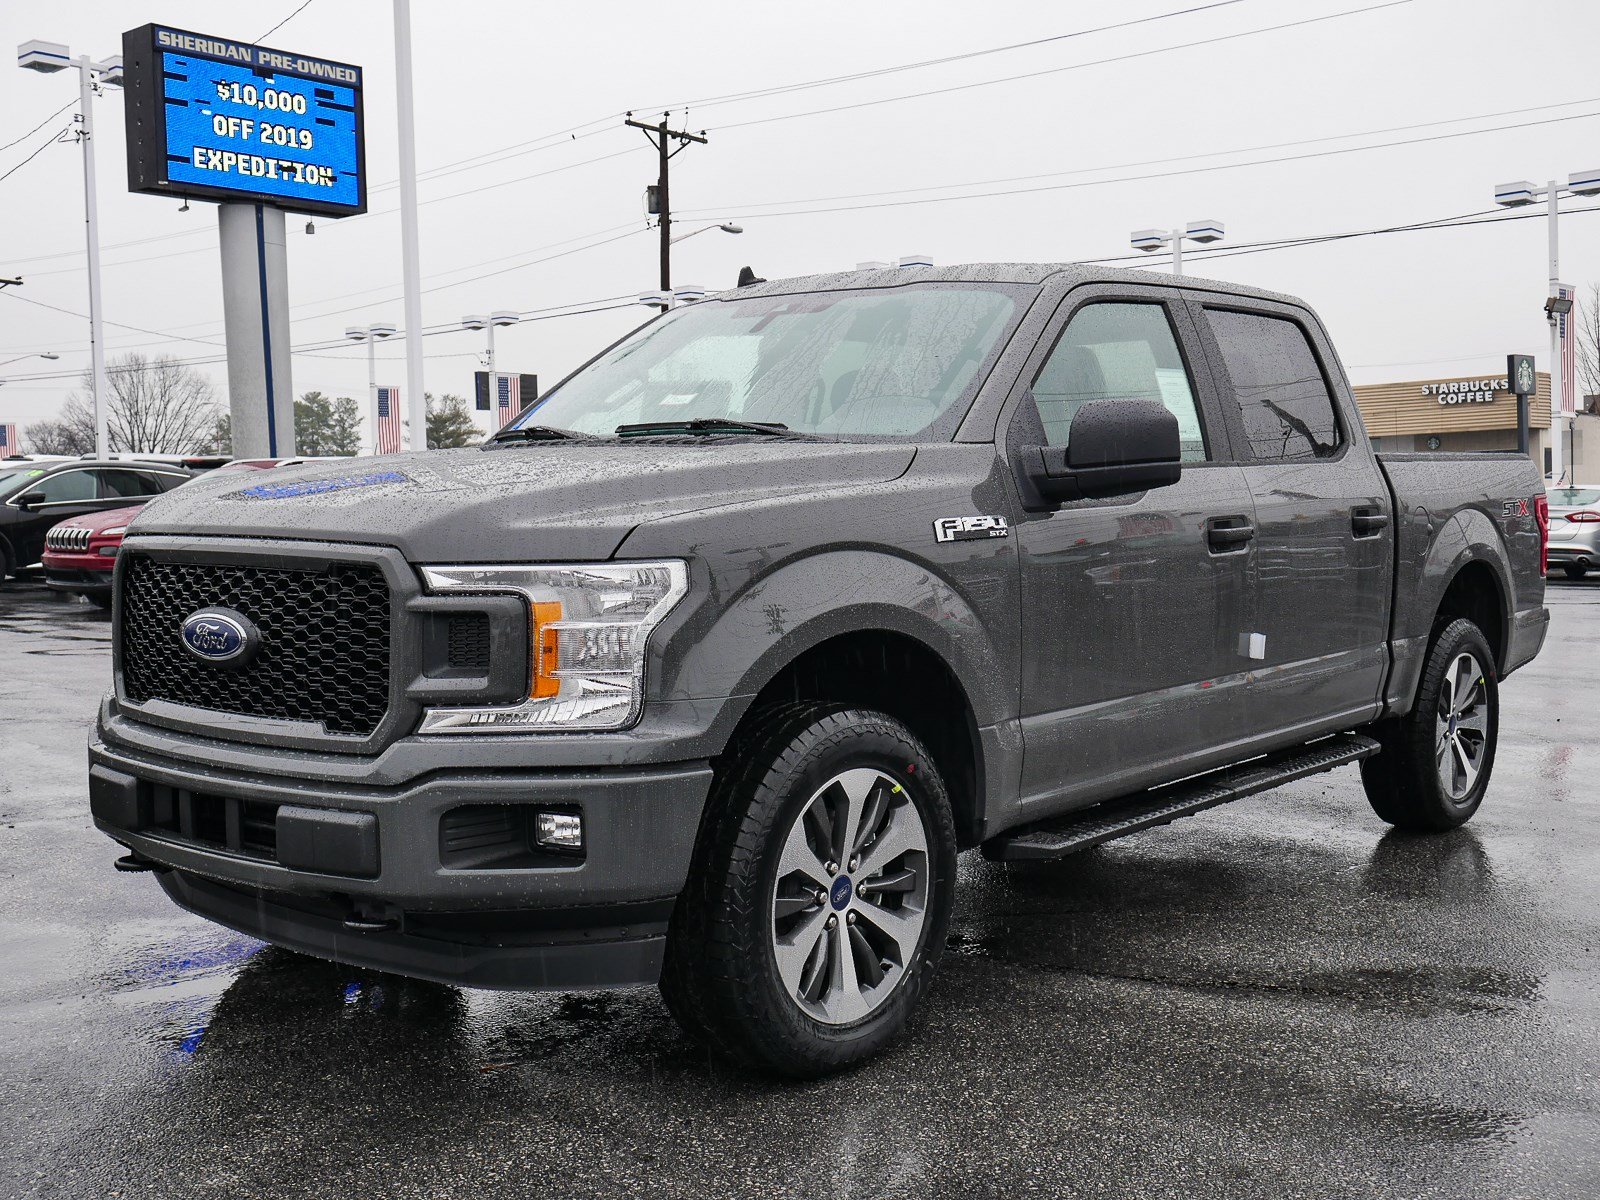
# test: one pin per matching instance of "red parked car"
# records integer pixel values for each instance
(80, 552)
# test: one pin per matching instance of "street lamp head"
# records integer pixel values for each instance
(51, 355)
(655, 299)
(1204, 231)
(916, 260)
(45, 57)
(355, 333)
(381, 330)
(689, 293)
(1584, 183)
(477, 321)
(502, 317)
(730, 227)
(1147, 239)
(1557, 306)
(110, 70)
(1515, 194)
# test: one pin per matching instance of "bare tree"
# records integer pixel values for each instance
(1588, 347)
(158, 406)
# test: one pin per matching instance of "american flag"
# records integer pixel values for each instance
(1568, 323)
(8, 441)
(388, 420)
(508, 399)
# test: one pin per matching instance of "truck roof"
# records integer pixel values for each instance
(1015, 272)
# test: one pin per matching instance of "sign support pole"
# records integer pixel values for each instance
(409, 257)
(255, 312)
(1557, 385)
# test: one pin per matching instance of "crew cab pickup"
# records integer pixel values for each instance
(703, 671)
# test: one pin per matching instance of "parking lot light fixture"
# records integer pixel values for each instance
(47, 58)
(1204, 232)
(498, 319)
(1518, 194)
(371, 335)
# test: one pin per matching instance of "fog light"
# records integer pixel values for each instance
(558, 830)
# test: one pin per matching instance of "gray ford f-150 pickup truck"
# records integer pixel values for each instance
(703, 671)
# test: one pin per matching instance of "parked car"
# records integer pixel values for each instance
(36, 496)
(81, 552)
(1574, 530)
(703, 670)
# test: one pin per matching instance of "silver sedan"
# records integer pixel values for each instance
(1575, 530)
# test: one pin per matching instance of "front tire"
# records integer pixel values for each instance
(820, 896)
(1436, 760)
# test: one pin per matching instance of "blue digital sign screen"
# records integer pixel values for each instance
(225, 120)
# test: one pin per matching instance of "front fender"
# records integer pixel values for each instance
(808, 600)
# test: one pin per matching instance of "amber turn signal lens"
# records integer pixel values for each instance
(546, 651)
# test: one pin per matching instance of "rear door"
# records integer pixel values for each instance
(1324, 529)
(1132, 607)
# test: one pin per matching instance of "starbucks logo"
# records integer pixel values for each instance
(1525, 378)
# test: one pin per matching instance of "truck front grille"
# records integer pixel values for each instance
(324, 653)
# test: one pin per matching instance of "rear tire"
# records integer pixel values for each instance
(774, 959)
(1574, 571)
(1436, 760)
(101, 600)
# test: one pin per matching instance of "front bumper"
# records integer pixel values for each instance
(372, 876)
(84, 581)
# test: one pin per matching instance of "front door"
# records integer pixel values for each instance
(1133, 608)
(1324, 537)
(64, 494)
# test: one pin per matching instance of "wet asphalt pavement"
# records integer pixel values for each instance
(1279, 998)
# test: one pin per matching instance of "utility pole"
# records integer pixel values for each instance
(661, 137)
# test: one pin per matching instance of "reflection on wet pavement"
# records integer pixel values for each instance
(1280, 998)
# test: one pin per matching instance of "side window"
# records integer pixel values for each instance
(133, 484)
(1117, 351)
(66, 487)
(1283, 398)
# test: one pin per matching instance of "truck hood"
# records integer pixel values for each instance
(545, 501)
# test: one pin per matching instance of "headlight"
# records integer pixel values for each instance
(588, 627)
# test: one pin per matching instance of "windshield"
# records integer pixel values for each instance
(1572, 497)
(14, 479)
(894, 363)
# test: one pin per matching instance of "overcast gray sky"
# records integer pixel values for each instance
(494, 77)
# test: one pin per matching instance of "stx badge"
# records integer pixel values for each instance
(969, 529)
(1514, 508)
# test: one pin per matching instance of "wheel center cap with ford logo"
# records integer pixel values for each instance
(220, 636)
(839, 893)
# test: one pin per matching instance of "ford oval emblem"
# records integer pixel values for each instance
(220, 636)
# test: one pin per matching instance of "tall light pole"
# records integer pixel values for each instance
(1517, 194)
(500, 318)
(1195, 231)
(48, 58)
(409, 255)
(371, 335)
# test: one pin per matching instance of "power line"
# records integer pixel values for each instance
(39, 126)
(42, 147)
(1150, 162)
(829, 81)
(282, 23)
(1054, 187)
(962, 87)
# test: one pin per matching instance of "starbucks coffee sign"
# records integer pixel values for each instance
(1465, 391)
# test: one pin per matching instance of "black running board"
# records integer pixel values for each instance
(1163, 805)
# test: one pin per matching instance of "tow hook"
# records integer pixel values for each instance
(359, 922)
(134, 862)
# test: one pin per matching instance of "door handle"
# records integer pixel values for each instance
(1367, 522)
(1229, 535)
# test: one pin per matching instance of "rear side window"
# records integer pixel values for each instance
(128, 483)
(1283, 398)
(1114, 351)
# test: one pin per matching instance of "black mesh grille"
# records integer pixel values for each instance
(324, 653)
(469, 641)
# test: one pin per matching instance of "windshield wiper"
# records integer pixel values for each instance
(540, 433)
(705, 425)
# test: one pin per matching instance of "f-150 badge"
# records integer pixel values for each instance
(969, 529)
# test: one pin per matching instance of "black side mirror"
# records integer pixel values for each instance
(29, 501)
(1114, 448)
